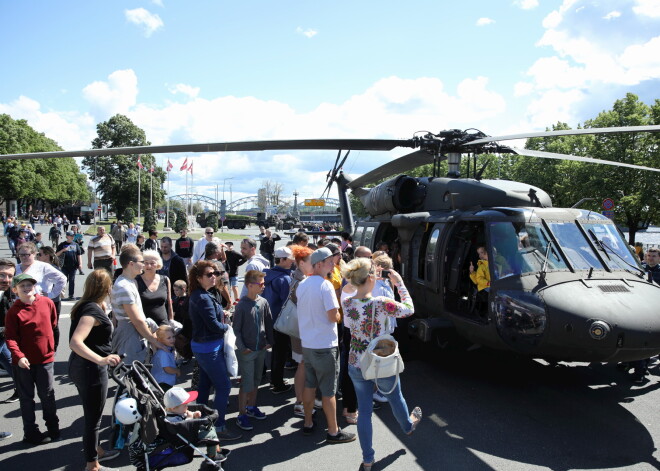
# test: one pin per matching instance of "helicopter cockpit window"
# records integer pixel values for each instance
(575, 246)
(521, 248)
(368, 236)
(617, 253)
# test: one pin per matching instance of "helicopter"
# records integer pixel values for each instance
(564, 284)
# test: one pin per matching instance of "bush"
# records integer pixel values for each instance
(171, 218)
(149, 221)
(181, 221)
(129, 215)
(212, 220)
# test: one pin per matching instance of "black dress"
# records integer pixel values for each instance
(154, 303)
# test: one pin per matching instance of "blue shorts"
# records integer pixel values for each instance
(233, 281)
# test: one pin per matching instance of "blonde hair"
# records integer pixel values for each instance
(153, 255)
(357, 271)
(180, 284)
(164, 330)
(383, 261)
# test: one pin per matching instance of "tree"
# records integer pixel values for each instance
(149, 221)
(171, 218)
(212, 220)
(37, 182)
(128, 215)
(117, 176)
(181, 221)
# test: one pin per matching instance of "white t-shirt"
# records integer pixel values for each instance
(316, 296)
(124, 291)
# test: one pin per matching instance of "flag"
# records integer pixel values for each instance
(169, 165)
(190, 168)
(185, 164)
(151, 170)
(140, 166)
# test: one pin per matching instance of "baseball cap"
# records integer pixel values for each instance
(320, 254)
(334, 248)
(284, 252)
(23, 277)
(177, 396)
(69, 233)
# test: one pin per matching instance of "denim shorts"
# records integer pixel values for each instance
(322, 369)
(233, 281)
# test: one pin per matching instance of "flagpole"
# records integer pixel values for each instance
(151, 189)
(139, 182)
(167, 200)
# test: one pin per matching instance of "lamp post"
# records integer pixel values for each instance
(224, 180)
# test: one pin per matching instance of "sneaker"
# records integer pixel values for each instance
(109, 455)
(341, 437)
(299, 410)
(54, 435)
(376, 405)
(378, 397)
(291, 365)
(14, 397)
(3, 372)
(255, 413)
(308, 430)
(222, 455)
(37, 439)
(105, 468)
(281, 388)
(226, 434)
(638, 378)
(4, 435)
(243, 422)
(318, 404)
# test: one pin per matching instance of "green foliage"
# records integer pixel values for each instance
(171, 218)
(117, 176)
(181, 221)
(57, 181)
(212, 220)
(150, 222)
(128, 215)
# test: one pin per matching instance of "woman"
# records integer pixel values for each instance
(131, 234)
(90, 342)
(155, 290)
(267, 246)
(208, 331)
(50, 280)
(366, 317)
(302, 271)
(78, 239)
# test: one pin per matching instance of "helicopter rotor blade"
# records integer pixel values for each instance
(240, 146)
(553, 155)
(566, 132)
(400, 165)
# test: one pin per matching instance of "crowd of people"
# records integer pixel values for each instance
(172, 303)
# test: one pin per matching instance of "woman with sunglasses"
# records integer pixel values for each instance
(208, 331)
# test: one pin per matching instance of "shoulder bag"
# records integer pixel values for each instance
(287, 320)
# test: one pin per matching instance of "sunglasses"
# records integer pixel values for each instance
(209, 233)
(212, 274)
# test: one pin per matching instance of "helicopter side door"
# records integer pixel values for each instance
(425, 268)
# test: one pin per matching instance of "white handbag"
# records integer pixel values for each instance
(382, 359)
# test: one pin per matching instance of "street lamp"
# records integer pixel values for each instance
(224, 180)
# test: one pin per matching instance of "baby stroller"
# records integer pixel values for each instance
(153, 442)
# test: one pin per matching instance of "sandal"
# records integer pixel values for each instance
(351, 418)
(415, 417)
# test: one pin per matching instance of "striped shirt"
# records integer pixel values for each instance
(102, 246)
(124, 291)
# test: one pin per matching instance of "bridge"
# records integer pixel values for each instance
(250, 204)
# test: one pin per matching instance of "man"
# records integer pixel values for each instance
(184, 247)
(152, 242)
(233, 261)
(255, 261)
(318, 314)
(72, 254)
(102, 249)
(200, 247)
(363, 252)
(173, 266)
(300, 238)
(7, 272)
(118, 233)
(276, 293)
(132, 333)
(652, 264)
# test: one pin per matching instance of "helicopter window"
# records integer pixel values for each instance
(430, 254)
(575, 246)
(368, 236)
(521, 248)
(357, 236)
(612, 241)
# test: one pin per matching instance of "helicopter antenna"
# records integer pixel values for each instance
(481, 170)
(533, 198)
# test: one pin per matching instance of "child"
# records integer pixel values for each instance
(164, 368)
(38, 243)
(176, 404)
(29, 326)
(481, 277)
(253, 326)
(180, 307)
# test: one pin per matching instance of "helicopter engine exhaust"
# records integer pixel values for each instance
(400, 194)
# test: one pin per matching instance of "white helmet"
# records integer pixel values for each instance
(126, 411)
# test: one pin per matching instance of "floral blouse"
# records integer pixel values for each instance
(358, 318)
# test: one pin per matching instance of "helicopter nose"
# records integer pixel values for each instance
(604, 320)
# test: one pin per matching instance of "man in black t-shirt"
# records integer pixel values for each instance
(184, 246)
(71, 252)
(233, 261)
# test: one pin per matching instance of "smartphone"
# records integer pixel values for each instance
(385, 274)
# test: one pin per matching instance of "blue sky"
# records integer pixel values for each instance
(208, 71)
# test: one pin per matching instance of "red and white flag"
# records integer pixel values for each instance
(190, 168)
(185, 164)
(139, 163)
(169, 165)
(151, 170)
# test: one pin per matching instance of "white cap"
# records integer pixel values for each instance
(177, 396)
(284, 252)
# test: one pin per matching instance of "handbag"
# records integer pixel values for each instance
(287, 320)
(382, 358)
(230, 352)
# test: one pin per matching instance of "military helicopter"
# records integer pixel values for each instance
(564, 283)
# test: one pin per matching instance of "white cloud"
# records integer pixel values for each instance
(522, 89)
(526, 4)
(157, 2)
(150, 22)
(309, 33)
(117, 95)
(650, 8)
(611, 15)
(188, 90)
(484, 21)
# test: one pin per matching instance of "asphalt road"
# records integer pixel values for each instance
(482, 410)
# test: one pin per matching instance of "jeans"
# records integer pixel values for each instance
(70, 273)
(40, 376)
(281, 351)
(213, 370)
(5, 357)
(91, 381)
(365, 390)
